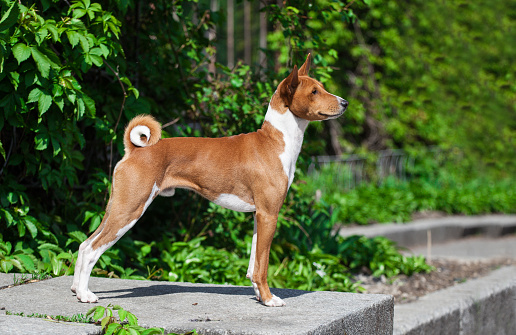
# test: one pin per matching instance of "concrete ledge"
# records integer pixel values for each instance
(16, 325)
(482, 306)
(7, 279)
(443, 229)
(210, 309)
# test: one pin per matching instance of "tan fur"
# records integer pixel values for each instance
(247, 166)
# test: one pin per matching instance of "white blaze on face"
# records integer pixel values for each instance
(293, 129)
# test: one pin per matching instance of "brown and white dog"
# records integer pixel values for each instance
(247, 173)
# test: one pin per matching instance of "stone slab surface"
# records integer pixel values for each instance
(472, 248)
(442, 230)
(211, 309)
(17, 325)
(481, 306)
(7, 279)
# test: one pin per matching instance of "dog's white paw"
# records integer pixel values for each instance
(74, 288)
(257, 292)
(87, 296)
(274, 302)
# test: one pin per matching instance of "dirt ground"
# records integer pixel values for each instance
(447, 273)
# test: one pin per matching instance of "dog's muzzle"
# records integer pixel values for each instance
(343, 104)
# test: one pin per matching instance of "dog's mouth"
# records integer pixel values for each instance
(332, 116)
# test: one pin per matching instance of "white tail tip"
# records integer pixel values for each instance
(137, 133)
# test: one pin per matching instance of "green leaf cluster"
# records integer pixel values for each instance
(423, 73)
(450, 192)
(125, 324)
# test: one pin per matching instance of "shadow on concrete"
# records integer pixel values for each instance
(162, 289)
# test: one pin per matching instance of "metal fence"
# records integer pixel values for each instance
(349, 171)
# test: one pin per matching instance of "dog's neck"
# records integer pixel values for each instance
(293, 129)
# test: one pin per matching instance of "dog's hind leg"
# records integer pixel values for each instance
(127, 204)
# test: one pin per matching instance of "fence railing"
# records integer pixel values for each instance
(349, 171)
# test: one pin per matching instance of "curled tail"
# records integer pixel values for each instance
(142, 131)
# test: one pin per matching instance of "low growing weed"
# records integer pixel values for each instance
(126, 323)
(79, 318)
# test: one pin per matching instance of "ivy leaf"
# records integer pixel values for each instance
(41, 34)
(21, 229)
(26, 261)
(122, 314)
(6, 266)
(132, 319)
(112, 327)
(21, 52)
(41, 138)
(51, 247)
(99, 312)
(59, 102)
(73, 37)
(34, 95)
(78, 13)
(10, 17)
(42, 61)
(31, 226)
(53, 30)
(56, 146)
(44, 103)
(104, 49)
(89, 103)
(78, 236)
(41, 141)
(85, 45)
(81, 109)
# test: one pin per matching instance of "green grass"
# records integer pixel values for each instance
(396, 201)
(79, 318)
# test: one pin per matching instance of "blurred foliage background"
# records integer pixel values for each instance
(421, 77)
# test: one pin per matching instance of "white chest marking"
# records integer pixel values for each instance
(233, 202)
(293, 129)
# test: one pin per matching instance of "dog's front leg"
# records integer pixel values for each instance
(250, 269)
(265, 227)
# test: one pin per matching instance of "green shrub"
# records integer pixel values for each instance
(396, 201)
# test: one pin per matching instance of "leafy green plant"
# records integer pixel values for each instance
(18, 258)
(380, 255)
(396, 201)
(126, 323)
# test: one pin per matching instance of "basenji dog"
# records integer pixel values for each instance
(247, 173)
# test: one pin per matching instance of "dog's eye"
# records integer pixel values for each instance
(314, 91)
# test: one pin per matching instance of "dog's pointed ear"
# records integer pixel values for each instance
(303, 70)
(290, 85)
(293, 80)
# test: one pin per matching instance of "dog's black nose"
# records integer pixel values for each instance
(344, 103)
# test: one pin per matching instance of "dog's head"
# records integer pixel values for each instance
(306, 97)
